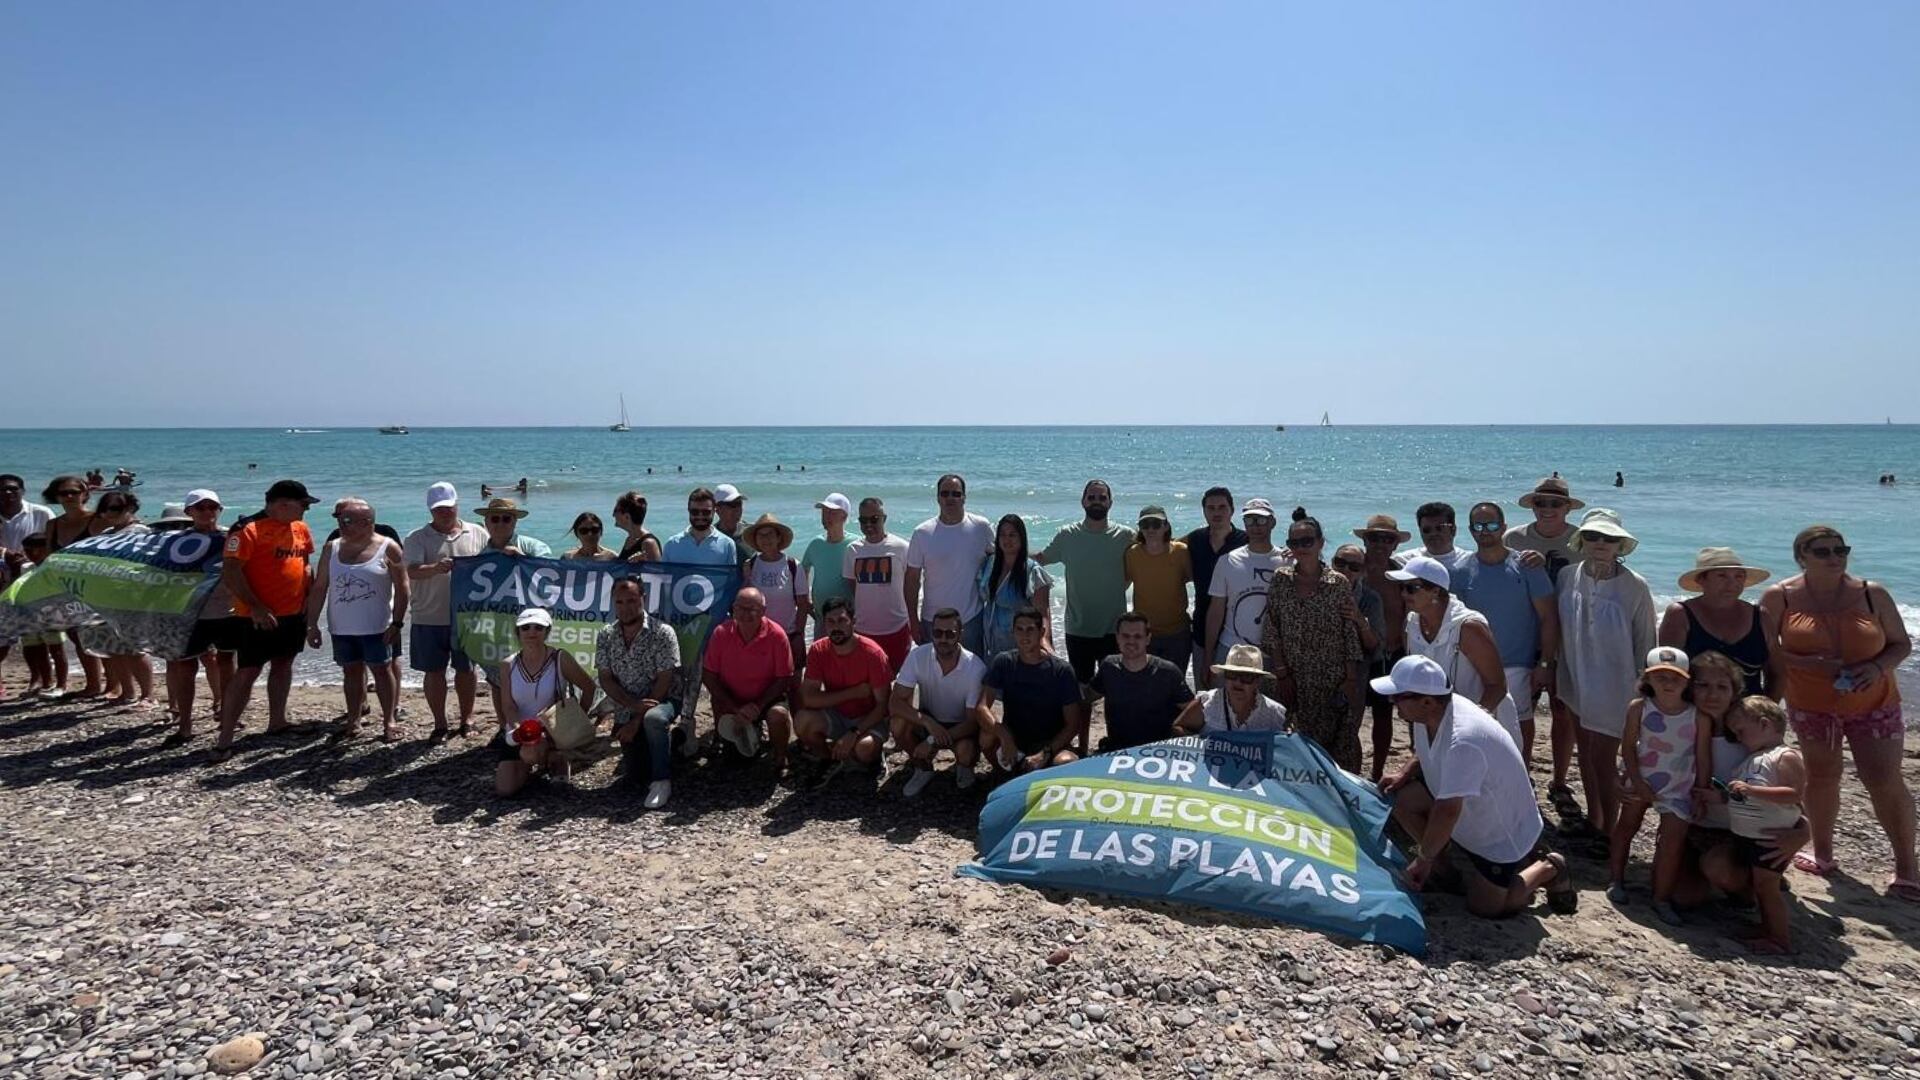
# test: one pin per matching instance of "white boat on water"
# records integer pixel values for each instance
(622, 425)
(395, 429)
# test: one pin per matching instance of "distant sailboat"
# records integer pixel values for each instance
(1326, 419)
(622, 425)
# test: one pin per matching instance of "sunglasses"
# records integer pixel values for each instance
(1588, 536)
(352, 519)
(1550, 504)
(1836, 551)
(1302, 542)
(1486, 526)
(501, 519)
(1382, 538)
(953, 494)
(587, 530)
(946, 635)
(1349, 564)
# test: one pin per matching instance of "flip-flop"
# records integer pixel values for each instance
(1907, 889)
(1807, 864)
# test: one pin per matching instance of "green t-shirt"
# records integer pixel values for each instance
(823, 561)
(1096, 564)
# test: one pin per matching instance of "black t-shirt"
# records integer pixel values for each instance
(1033, 697)
(1141, 705)
(1201, 554)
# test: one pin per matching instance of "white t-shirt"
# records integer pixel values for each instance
(1240, 578)
(879, 576)
(946, 696)
(948, 558)
(31, 519)
(782, 581)
(1470, 757)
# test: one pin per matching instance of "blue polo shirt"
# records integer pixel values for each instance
(1504, 592)
(716, 550)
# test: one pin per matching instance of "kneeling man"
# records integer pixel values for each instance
(844, 692)
(1040, 707)
(1468, 786)
(948, 714)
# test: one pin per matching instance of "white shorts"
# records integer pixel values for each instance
(1520, 692)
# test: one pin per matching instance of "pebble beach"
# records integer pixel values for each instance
(373, 910)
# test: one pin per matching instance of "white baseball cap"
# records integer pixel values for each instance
(1423, 568)
(727, 493)
(442, 494)
(200, 495)
(1413, 675)
(836, 501)
(1257, 508)
(1668, 658)
(534, 616)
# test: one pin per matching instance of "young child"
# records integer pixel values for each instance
(1765, 793)
(1716, 690)
(1663, 753)
(46, 653)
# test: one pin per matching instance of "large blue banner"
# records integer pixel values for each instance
(489, 590)
(1256, 822)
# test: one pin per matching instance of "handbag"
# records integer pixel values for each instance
(571, 728)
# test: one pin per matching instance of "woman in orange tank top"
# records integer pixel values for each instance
(1842, 639)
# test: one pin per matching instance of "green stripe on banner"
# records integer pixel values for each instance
(1124, 802)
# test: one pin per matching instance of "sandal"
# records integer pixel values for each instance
(1807, 864)
(219, 754)
(1907, 889)
(1562, 897)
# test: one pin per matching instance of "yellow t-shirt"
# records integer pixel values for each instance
(1160, 586)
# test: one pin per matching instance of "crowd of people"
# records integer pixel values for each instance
(941, 642)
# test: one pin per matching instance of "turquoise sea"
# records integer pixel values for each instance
(1748, 487)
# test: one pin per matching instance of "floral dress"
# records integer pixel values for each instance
(1317, 641)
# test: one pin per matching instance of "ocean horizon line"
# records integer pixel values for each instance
(328, 429)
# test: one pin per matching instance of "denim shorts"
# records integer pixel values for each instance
(361, 649)
(431, 648)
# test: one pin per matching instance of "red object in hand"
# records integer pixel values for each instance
(531, 730)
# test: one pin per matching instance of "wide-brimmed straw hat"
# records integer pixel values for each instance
(1720, 558)
(1553, 487)
(1383, 523)
(1243, 660)
(1602, 520)
(768, 521)
(500, 506)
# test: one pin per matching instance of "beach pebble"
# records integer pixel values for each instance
(236, 1055)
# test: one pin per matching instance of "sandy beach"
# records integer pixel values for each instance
(372, 910)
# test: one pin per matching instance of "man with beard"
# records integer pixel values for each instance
(946, 678)
(638, 659)
(1094, 553)
(844, 693)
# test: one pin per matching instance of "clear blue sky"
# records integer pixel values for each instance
(353, 213)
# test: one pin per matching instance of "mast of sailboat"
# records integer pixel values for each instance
(622, 425)
(1326, 419)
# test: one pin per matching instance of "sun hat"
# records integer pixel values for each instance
(1155, 513)
(1554, 487)
(500, 506)
(1383, 523)
(173, 514)
(534, 616)
(442, 494)
(1719, 558)
(1668, 658)
(1243, 660)
(1258, 508)
(200, 495)
(836, 501)
(727, 493)
(290, 489)
(1413, 675)
(1424, 568)
(768, 521)
(1602, 520)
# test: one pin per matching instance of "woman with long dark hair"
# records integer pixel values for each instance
(587, 529)
(74, 522)
(1009, 581)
